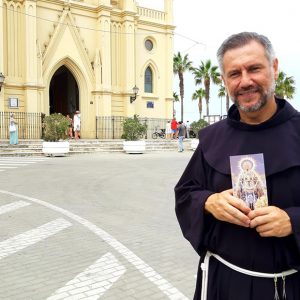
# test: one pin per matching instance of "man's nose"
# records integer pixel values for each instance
(246, 79)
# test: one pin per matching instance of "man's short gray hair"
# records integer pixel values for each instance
(241, 39)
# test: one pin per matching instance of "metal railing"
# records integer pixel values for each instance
(211, 119)
(111, 127)
(29, 125)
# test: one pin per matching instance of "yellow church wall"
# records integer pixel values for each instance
(160, 62)
(101, 45)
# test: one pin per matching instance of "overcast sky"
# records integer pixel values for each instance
(202, 25)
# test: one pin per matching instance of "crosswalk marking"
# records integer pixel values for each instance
(7, 163)
(167, 288)
(11, 164)
(93, 282)
(31, 237)
(7, 167)
(23, 158)
(12, 206)
(17, 162)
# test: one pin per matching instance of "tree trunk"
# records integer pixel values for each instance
(181, 90)
(200, 107)
(207, 90)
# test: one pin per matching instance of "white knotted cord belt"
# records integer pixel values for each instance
(275, 276)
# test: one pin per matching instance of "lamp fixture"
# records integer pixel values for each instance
(2, 77)
(135, 90)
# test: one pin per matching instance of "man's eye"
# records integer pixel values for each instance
(233, 75)
(255, 69)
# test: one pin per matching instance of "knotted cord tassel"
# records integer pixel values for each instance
(283, 288)
(276, 296)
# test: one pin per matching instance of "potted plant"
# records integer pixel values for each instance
(55, 128)
(196, 126)
(133, 131)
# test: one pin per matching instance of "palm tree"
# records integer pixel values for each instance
(221, 94)
(207, 73)
(285, 86)
(175, 99)
(180, 65)
(199, 95)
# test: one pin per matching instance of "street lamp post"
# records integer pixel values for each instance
(2, 77)
(135, 90)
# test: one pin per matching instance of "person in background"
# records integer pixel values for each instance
(245, 254)
(174, 125)
(188, 128)
(76, 124)
(181, 135)
(13, 130)
(168, 130)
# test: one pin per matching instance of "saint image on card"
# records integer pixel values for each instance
(249, 179)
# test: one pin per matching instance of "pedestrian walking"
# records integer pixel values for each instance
(13, 130)
(181, 135)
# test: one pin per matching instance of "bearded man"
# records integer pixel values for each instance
(245, 254)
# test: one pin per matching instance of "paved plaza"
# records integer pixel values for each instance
(96, 226)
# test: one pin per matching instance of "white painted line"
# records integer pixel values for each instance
(12, 164)
(12, 206)
(4, 167)
(36, 159)
(93, 282)
(31, 237)
(144, 268)
(17, 162)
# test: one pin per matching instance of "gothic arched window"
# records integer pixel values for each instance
(148, 81)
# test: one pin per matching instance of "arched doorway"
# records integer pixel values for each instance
(63, 92)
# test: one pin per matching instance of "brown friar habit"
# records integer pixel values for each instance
(208, 172)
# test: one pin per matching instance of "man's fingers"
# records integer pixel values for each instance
(236, 218)
(239, 204)
(225, 207)
(258, 221)
(260, 212)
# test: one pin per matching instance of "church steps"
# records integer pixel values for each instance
(34, 147)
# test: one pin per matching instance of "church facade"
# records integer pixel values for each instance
(62, 56)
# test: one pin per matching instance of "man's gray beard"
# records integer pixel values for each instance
(261, 102)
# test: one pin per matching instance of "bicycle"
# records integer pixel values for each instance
(160, 134)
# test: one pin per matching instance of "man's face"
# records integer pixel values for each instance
(249, 77)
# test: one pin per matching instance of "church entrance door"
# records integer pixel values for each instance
(63, 92)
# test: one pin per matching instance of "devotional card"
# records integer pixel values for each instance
(249, 179)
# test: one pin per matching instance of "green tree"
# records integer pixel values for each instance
(55, 127)
(181, 65)
(206, 73)
(222, 94)
(199, 95)
(133, 129)
(197, 125)
(285, 86)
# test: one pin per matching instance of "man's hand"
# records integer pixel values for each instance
(224, 207)
(270, 221)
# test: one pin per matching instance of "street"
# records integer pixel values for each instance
(97, 226)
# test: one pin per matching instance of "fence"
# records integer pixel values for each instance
(211, 119)
(29, 125)
(111, 127)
